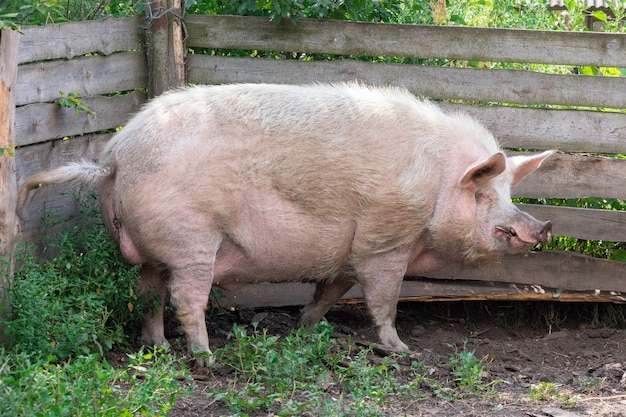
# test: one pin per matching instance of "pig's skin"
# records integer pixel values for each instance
(231, 185)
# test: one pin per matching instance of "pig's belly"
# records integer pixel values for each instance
(279, 253)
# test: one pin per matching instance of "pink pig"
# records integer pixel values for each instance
(337, 184)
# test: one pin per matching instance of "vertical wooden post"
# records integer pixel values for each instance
(165, 46)
(9, 40)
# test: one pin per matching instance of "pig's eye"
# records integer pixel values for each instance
(484, 197)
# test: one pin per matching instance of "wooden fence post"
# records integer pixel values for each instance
(165, 46)
(9, 40)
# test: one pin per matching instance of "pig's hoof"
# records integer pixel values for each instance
(158, 343)
(389, 337)
(399, 346)
(204, 358)
(205, 362)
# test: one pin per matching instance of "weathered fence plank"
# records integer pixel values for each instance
(565, 270)
(166, 50)
(73, 39)
(42, 82)
(45, 121)
(57, 200)
(565, 130)
(582, 223)
(374, 39)
(423, 290)
(514, 86)
(575, 176)
(9, 42)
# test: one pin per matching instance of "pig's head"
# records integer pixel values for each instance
(481, 222)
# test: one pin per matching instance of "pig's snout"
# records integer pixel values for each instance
(545, 233)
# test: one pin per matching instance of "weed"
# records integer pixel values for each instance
(77, 303)
(545, 391)
(299, 375)
(73, 101)
(468, 370)
(274, 372)
(88, 385)
(305, 374)
(590, 384)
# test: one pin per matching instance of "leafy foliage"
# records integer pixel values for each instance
(278, 10)
(8, 150)
(73, 101)
(89, 385)
(37, 12)
(308, 374)
(64, 314)
(468, 370)
(79, 302)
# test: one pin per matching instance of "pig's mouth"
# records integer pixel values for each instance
(526, 238)
(510, 233)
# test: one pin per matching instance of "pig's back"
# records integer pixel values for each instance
(315, 143)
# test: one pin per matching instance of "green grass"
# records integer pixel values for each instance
(311, 374)
(545, 391)
(81, 301)
(89, 386)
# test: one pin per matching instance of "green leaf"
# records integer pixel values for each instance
(618, 255)
(586, 70)
(600, 15)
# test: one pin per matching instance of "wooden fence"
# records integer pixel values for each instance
(519, 106)
(105, 64)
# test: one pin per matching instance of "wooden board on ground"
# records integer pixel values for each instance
(424, 290)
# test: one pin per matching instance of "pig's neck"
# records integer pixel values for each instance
(425, 260)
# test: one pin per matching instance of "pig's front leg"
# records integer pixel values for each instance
(381, 279)
(153, 283)
(327, 293)
(189, 294)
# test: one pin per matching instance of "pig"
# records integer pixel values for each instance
(229, 185)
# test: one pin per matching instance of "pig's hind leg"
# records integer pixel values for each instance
(153, 284)
(190, 287)
(327, 293)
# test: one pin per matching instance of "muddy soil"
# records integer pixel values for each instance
(521, 344)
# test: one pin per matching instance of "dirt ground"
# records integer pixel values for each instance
(522, 343)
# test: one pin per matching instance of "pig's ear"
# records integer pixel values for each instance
(482, 172)
(524, 165)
